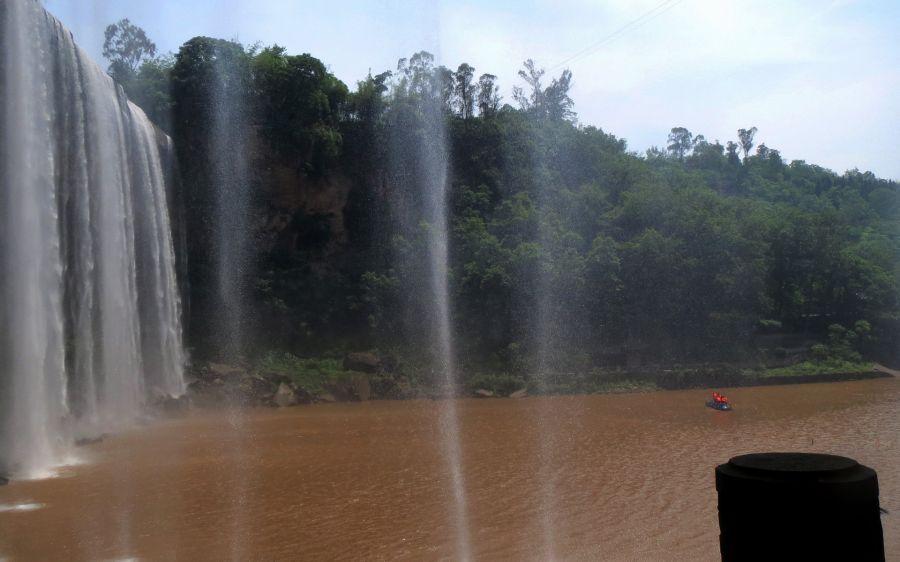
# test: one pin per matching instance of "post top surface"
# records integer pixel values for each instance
(794, 463)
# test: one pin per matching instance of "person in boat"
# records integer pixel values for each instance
(720, 398)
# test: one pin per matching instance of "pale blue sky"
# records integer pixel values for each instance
(819, 78)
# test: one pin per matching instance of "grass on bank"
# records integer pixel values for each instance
(315, 375)
(312, 375)
(593, 382)
(812, 368)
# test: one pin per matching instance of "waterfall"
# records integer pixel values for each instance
(89, 302)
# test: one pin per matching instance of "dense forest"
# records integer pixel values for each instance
(568, 251)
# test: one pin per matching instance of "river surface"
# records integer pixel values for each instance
(632, 478)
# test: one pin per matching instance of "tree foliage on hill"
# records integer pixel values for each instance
(126, 46)
(566, 249)
(134, 65)
(299, 104)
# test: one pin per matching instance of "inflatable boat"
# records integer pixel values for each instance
(722, 406)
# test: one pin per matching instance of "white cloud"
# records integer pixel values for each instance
(817, 80)
(800, 70)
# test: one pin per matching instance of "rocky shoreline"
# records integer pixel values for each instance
(369, 377)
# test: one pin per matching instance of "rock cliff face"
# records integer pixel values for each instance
(301, 213)
(264, 239)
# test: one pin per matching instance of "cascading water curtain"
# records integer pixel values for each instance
(89, 298)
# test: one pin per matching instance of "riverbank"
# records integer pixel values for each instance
(708, 376)
(284, 381)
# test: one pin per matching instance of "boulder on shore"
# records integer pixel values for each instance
(361, 387)
(223, 371)
(254, 391)
(362, 362)
(275, 378)
(389, 364)
(82, 441)
(483, 393)
(341, 390)
(284, 396)
(521, 393)
(171, 404)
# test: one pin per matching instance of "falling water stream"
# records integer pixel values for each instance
(231, 245)
(230, 175)
(449, 418)
(88, 295)
(435, 161)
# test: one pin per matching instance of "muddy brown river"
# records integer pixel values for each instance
(627, 477)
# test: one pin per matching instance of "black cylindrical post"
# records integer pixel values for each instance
(798, 506)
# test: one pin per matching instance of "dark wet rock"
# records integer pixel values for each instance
(276, 378)
(387, 386)
(223, 371)
(341, 390)
(284, 396)
(450, 392)
(209, 397)
(4, 480)
(254, 390)
(82, 441)
(351, 389)
(172, 404)
(217, 385)
(483, 393)
(303, 395)
(404, 389)
(361, 387)
(390, 364)
(521, 393)
(362, 362)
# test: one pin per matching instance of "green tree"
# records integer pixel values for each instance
(444, 85)
(299, 106)
(126, 46)
(533, 99)
(745, 137)
(488, 95)
(674, 256)
(552, 102)
(466, 90)
(732, 150)
(681, 141)
(559, 104)
(151, 90)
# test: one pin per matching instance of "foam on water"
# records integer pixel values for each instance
(15, 507)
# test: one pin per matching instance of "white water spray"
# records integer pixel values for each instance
(434, 155)
(449, 418)
(88, 297)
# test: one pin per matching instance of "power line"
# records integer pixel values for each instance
(643, 18)
(647, 16)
